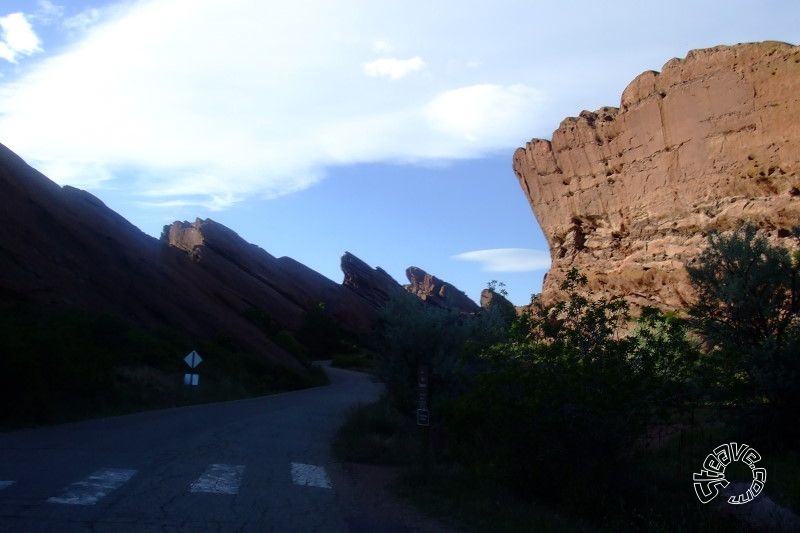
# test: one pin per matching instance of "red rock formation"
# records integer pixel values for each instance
(434, 291)
(626, 195)
(64, 249)
(374, 285)
(281, 287)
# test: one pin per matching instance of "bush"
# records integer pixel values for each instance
(565, 403)
(748, 313)
(322, 336)
(412, 334)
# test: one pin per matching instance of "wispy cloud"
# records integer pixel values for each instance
(227, 101)
(392, 68)
(82, 21)
(17, 37)
(508, 259)
(47, 12)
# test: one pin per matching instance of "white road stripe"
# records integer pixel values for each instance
(219, 479)
(6, 484)
(310, 475)
(90, 490)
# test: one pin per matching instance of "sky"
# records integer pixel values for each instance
(315, 127)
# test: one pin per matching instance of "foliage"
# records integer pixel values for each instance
(748, 312)
(362, 360)
(413, 334)
(377, 433)
(564, 391)
(322, 336)
(747, 290)
(59, 365)
(551, 404)
(561, 404)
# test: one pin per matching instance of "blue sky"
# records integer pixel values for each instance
(314, 127)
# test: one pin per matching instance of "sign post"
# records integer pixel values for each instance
(423, 399)
(424, 414)
(193, 359)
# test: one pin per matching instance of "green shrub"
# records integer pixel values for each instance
(377, 433)
(748, 313)
(566, 399)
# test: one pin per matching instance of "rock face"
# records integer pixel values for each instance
(282, 288)
(490, 299)
(63, 249)
(375, 285)
(626, 194)
(434, 291)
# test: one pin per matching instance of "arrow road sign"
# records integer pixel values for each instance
(193, 359)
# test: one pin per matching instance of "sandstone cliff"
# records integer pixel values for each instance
(626, 194)
(282, 288)
(63, 250)
(375, 285)
(434, 291)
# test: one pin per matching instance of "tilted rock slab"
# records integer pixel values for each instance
(434, 291)
(627, 194)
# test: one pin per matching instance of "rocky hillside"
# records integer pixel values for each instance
(626, 194)
(280, 288)
(62, 249)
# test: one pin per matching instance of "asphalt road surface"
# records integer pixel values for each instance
(261, 464)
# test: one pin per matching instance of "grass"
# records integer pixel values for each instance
(66, 365)
(377, 433)
(654, 494)
(362, 360)
(472, 503)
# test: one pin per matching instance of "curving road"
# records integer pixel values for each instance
(261, 464)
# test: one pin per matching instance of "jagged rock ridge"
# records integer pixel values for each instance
(62, 248)
(626, 194)
(436, 292)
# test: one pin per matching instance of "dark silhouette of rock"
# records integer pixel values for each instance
(436, 292)
(63, 249)
(374, 285)
(490, 298)
(282, 288)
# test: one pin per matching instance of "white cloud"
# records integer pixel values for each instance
(17, 37)
(82, 21)
(381, 47)
(472, 112)
(508, 259)
(392, 68)
(210, 102)
(216, 101)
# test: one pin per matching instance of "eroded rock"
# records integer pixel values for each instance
(627, 194)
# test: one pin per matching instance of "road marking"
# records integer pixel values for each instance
(310, 475)
(219, 479)
(6, 484)
(90, 490)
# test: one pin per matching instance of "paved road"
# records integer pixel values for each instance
(252, 465)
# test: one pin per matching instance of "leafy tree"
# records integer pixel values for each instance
(414, 334)
(748, 312)
(747, 290)
(564, 389)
